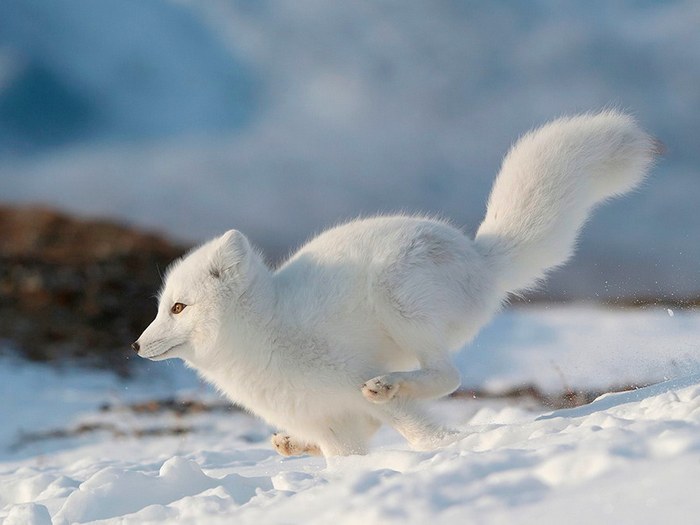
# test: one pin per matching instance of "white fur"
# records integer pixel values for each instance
(356, 328)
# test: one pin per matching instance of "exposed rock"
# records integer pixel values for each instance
(74, 288)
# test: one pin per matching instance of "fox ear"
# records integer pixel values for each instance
(231, 255)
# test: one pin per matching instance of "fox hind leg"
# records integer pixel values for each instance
(410, 420)
(349, 435)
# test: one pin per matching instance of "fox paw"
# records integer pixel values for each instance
(379, 389)
(286, 445)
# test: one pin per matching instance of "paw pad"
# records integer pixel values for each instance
(379, 390)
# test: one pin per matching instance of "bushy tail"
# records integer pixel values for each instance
(548, 184)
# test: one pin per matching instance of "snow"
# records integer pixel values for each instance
(578, 347)
(629, 457)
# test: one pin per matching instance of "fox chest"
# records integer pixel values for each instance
(280, 401)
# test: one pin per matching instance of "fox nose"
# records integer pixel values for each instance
(135, 346)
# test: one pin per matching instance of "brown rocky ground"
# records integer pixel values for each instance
(76, 288)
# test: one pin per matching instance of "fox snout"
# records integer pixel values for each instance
(160, 342)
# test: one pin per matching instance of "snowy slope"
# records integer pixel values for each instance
(631, 457)
(626, 458)
(581, 347)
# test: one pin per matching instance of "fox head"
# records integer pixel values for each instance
(197, 292)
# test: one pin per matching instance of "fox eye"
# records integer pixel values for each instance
(177, 308)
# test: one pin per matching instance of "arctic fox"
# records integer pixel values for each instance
(356, 328)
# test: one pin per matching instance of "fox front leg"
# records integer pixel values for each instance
(286, 445)
(437, 379)
(381, 389)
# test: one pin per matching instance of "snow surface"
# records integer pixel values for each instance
(631, 457)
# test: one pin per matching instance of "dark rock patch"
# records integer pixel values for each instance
(76, 289)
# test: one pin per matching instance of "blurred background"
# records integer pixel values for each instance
(187, 118)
